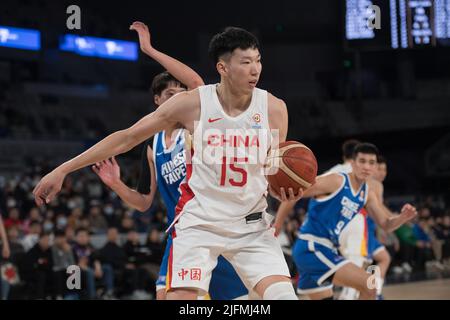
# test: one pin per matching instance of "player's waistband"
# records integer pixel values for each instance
(322, 241)
(253, 217)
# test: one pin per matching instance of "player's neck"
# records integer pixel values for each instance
(168, 135)
(233, 101)
(354, 181)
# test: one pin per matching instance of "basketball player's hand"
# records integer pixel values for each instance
(144, 35)
(108, 171)
(278, 227)
(283, 196)
(46, 190)
(408, 212)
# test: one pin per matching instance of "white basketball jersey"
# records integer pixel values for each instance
(339, 168)
(225, 181)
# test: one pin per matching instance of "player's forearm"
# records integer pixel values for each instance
(117, 143)
(179, 70)
(283, 211)
(393, 223)
(133, 198)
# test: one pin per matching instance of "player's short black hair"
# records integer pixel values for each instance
(347, 148)
(381, 159)
(230, 39)
(162, 81)
(366, 148)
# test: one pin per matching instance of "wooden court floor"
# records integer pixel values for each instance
(421, 290)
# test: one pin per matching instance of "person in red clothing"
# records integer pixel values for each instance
(13, 219)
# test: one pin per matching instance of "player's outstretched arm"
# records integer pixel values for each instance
(109, 173)
(324, 185)
(388, 222)
(176, 68)
(182, 108)
(283, 211)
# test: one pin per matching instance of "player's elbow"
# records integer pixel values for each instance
(196, 82)
(143, 207)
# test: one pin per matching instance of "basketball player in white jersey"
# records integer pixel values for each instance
(222, 208)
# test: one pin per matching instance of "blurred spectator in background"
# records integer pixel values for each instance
(74, 218)
(408, 243)
(97, 221)
(113, 259)
(127, 224)
(155, 247)
(138, 278)
(32, 237)
(38, 265)
(34, 215)
(423, 252)
(13, 219)
(63, 257)
(88, 262)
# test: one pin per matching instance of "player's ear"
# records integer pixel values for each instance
(156, 99)
(221, 67)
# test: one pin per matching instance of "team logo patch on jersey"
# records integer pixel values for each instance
(257, 119)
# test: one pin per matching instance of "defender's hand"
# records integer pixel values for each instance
(144, 35)
(108, 171)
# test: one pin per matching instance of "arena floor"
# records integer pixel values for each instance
(422, 290)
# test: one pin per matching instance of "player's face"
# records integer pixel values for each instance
(243, 68)
(381, 172)
(171, 90)
(364, 165)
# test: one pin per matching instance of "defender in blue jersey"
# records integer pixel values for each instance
(375, 250)
(337, 198)
(163, 168)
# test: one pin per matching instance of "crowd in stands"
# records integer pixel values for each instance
(117, 249)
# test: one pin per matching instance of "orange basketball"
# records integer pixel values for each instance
(292, 165)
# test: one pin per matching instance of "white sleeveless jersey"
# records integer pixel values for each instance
(225, 181)
(339, 168)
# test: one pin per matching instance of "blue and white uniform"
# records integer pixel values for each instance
(315, 252)
(170, 168)
(373, 245)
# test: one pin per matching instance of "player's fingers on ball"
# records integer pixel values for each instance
(291, 194)
(283, 194)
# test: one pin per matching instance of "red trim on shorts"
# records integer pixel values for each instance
(170, 263)
(186, 192)
(186, 195)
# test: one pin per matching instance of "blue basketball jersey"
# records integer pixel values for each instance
(327, 217)
(170, 168)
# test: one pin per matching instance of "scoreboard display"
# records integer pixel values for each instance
(402, 24)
